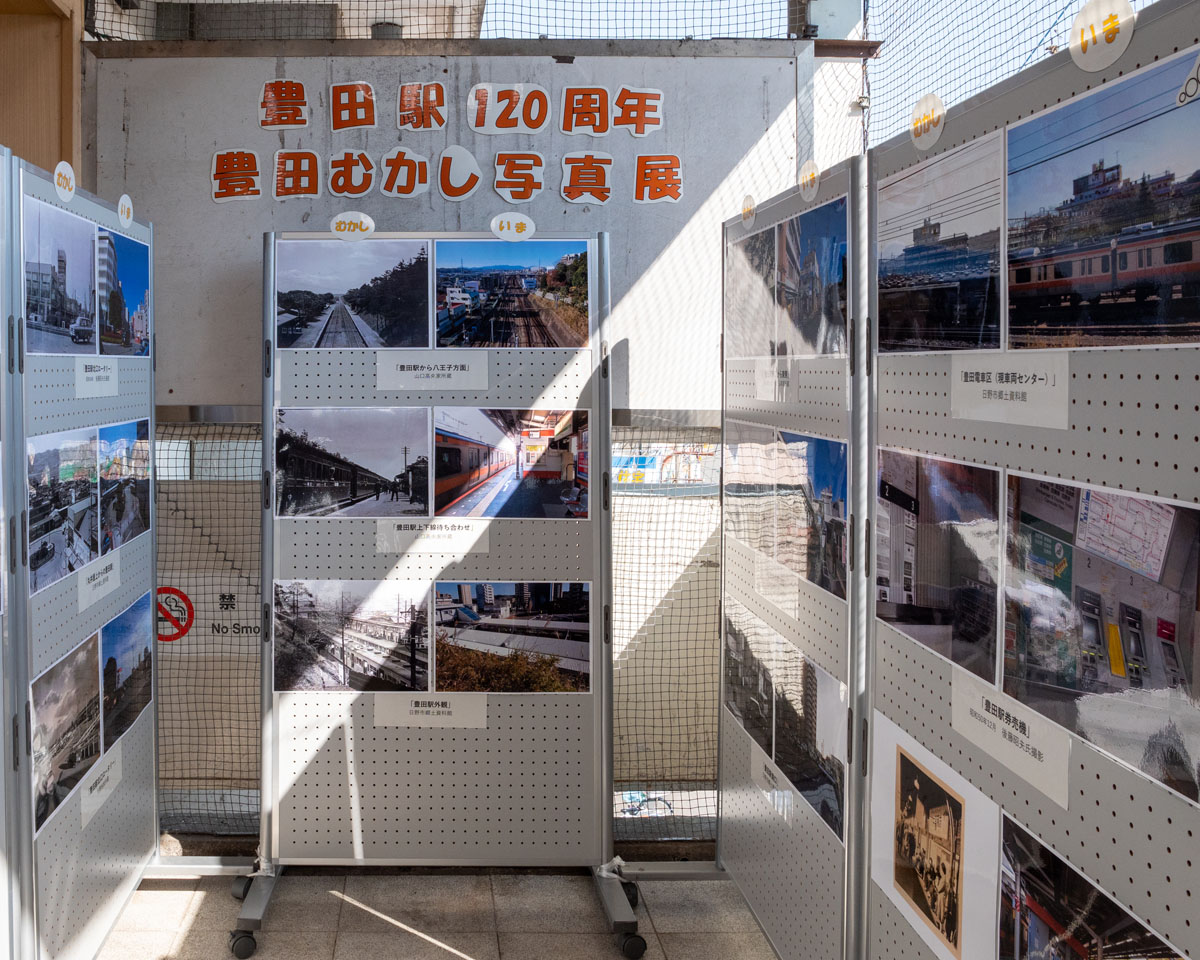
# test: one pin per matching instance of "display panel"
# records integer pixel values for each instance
(811, 287)
(63, 525)
(1103, 216)
(810, 509)
(60, 280)
(510, 463)
(126, 672)
(352, 461)
(750, 307)
(513, 637)
(330, 294)
(1048, 910)
(124, 295)
(1100, 621)
(341, 635)
(493, 293)
(124, 483)
(749, 487)
(937, 545)
(939, 251)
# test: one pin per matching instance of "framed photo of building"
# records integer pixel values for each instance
(63, 525)
(60, 280)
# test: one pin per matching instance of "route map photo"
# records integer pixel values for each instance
(1134, 533)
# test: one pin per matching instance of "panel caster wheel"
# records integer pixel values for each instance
(240, 887)
(242, 944)
(633, 945)
(631, 892)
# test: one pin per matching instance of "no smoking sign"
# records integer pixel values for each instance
(175, 614)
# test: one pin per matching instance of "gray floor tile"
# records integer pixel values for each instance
(305, 903)
(158, 905)
(272, 945)
(697, 906)
(461, 902)
(572, 946)
(138, 945)
(547, 904)
(213, 906)
(398, 945)
(716, 946)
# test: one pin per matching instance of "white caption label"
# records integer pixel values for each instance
(352, 225)
(102, 784)
(928, 121)
(767, 777)
(513, 227)
(98, 579)
(766, 379)
(1101, 33)
(125, 211)
(96, 377)
(432, 370)
(810, 181)
(64, 181)
(449, 536)
(1025, 388)
(1027, 743)
(463, 710)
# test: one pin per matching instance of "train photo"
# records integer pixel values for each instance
(463, 464)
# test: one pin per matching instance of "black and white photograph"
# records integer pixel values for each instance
(939, 251)
(810, 509)
(937, 555)
(124, 295)
(125, 667)
(750, 306)
(60, 280)
(343, 635)
(512, 637)
(750, 453)
(750, 650)
(352, 462)
(64, 522)
(1048, 911)
(510, 463)
(65, 723)
(811, 287)
(493, 293)
(1104, 216)
(124, 483)
(330, 294)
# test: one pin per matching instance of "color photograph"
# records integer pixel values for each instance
(937, 556)
(60, 280)
(1100, 621)
(511, 464)
(939, 251)
(750, 307)
(1104, 216)
(493, 293)
(330, 294)
(749, 687)
(124, 295)
(125, 667)
(512, 637)
(811, 289)
(810, 510)
(342, 635)
(1049, 911)
(65, 724)
(352, 462)
(124, 483)
(63, 532)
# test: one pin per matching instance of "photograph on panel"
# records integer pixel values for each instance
(512, 637)
(493, 293)
(65, 721)
(64, 519)
(512, 464)
(330, 294)
(749, 689)
(810, 509)
(60, 280)
(750, 307)
(811, 288)
(810, 732)
(1104, 216)
(341, 635)
(125, 667)
(937, 545)
(1100, 621)
(939, 251)
(124, 295)
(1048, 910)
(749, 480)
(352, 462)
(124, 483)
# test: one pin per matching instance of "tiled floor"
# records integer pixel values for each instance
(455, 915)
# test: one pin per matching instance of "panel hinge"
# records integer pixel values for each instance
(154, 352)
(11, 321)
(12, 544)
(16, 743)
(266, 359)
(850, 737)
(24, 541)
(21, 347)
(266, 489)
(607, 491)
(28, 731)
(867, 351)
(604, 359)
(853, 347)
(607, 623)
(867, 545)
(266, 623)
(850, 548)
(863, 758)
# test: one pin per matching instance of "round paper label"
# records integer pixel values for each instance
(810, 180)
(352, 225)
(1101, 33)
(928, 119)
(64, 181)
(513, 227)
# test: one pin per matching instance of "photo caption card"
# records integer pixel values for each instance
(1032, 390)
(103, 784)
(455, 537)
(96, 377)
(99, 580)
(431, 370)
(466, 711)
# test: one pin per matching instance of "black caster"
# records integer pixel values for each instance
(242, 944)
(240, 887)
(631, 892)
(633, 945)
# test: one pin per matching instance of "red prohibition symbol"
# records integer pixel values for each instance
(176, 609)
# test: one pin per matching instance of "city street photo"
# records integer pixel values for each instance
(352, 462)
(750, 652)
(124, 295)
(513, 637)
(750, 307)
(66, 727)
(510, 463)
(342, 635)
(330, 294)
(64, 518)
(492, 293)
(60, 280)
(125, 667)
(811, 287)
(124, 483)
(810, 509)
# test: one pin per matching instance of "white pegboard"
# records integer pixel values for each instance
(813, 394)
(50, 394)
(892, 937)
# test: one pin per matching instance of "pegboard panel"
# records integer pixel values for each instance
(1131, 836)
(891, 936)
(834, 183)
(813, 393)
(521, 791)
(50, 399)
(815, 620)
(792, 874)
(559, 379)
(1134, 420)
(57, 625)
(85, 874)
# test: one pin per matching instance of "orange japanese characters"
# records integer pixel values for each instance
(585, 177)
(235, 175)
(350, 174)
(519, 175)
(658, 179)
(459, 175)
(297, 174)
(283, 104)
(404, 173)
(419, 106)
(585, 110)
(351, 105)
(638, 111)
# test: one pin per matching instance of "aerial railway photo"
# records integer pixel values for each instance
(510, 463)
(492, 293)
(63, 505)
(331, 295)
